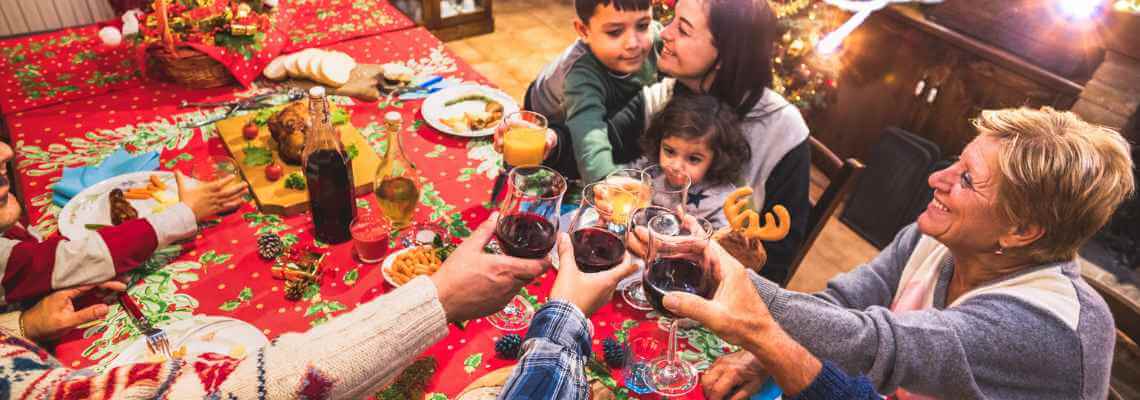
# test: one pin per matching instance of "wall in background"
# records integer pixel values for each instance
(26, 16)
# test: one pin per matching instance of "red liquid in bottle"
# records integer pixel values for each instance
(328, 175)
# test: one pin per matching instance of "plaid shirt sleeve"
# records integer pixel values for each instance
(555, 353)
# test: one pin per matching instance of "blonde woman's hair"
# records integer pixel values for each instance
(1058, 172)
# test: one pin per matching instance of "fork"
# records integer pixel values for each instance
(156, 340)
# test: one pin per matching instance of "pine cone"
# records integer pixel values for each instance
(614, 352)
(508, 346)
(294, 290)
(269, 246)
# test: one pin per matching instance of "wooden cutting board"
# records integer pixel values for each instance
(274, 197)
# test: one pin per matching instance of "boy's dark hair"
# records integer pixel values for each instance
(586, 8)
(744, 33)
(701, 117)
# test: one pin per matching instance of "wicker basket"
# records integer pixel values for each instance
(187, 67)
(181, 64)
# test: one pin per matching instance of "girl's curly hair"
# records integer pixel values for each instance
(701, 117)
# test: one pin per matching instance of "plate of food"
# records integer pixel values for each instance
(468, 110)
(408, 263)
(119, 199)
(198, 335)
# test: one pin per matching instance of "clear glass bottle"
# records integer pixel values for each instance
(397, 180)
(328, 174)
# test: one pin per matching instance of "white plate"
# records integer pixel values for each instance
(200, 334)
(387, 264)
(91, 206)
(434, 111)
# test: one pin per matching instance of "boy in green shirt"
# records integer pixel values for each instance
(597, 95)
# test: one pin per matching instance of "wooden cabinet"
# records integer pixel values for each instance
(450, 19)
(900, 69)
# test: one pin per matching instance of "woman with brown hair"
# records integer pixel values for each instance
(724, 48)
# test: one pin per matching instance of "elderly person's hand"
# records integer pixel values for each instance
(473, 284)
(738, 315)
(55, 314)
(736, 311)
(210, 198)
(588, 291)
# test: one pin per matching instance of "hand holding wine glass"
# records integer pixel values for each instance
(735, 310)
(472, 283)
(587, 290)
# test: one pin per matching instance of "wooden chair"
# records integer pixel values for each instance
(1126, 360)
(841, 175)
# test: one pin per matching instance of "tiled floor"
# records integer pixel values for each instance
(530, 33)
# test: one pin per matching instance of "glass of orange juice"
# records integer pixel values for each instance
(525, 139)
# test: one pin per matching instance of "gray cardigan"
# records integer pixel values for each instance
(1040, 334)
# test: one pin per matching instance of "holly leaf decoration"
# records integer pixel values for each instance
(472, 362)
(257, 156)
(437, 396)
(230, 305)
(350, 277)
(289, 239)
(246, 294)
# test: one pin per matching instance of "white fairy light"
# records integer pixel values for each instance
(862, 9)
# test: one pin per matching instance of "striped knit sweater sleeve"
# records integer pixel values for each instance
(350, 357)
(30, 268)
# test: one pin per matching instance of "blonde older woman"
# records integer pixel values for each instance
(982, 298)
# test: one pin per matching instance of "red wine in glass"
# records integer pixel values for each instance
(526, 235)
(675, 274)
(597, 249)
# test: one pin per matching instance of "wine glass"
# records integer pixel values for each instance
(635, 181)
(669, 194)
(598, 229)
(528, 228)
(669, 190)
(677, 263)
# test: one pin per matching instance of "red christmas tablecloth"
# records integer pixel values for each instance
(73, 64)
(219, 273)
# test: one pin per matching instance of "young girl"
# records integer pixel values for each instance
(699, 136)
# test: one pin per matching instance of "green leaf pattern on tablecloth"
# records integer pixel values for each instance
(35, 84)
(325, 310)
(436, 151)
(351, 277)
(243, 298)
(472, 362)
(437, 396)
(265, 223)
(156, 291)
(177, 159)
(708, 346)
(622, 333)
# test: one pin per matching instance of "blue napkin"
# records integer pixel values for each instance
(120, 162)
(768, 392)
